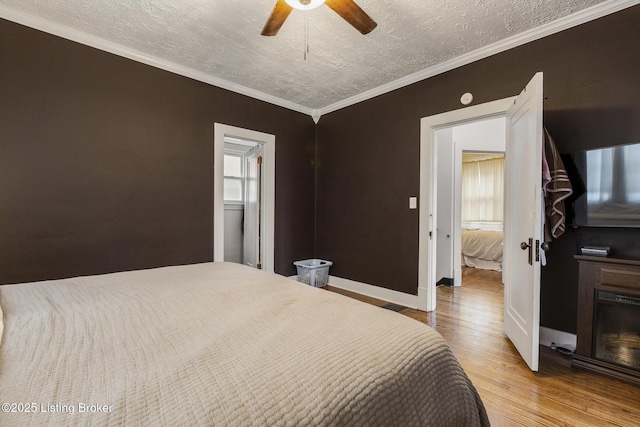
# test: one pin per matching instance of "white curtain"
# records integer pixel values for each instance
(483, 190)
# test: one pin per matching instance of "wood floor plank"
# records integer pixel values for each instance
(470, 318)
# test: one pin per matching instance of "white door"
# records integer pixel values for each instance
(523, 206)
(252, 206)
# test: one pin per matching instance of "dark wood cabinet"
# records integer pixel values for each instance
(609, 317)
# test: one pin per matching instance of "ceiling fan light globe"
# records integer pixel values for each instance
(298, 4)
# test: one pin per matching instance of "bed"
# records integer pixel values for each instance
(482, 249)
(223, 344)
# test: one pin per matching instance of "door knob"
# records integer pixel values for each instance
(524, 246)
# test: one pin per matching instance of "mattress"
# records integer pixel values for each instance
(223, 344)
(483, 244)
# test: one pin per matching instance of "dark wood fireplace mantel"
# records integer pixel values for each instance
(605, 275)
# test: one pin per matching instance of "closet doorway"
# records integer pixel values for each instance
(470, 158)
(242, 202)
(248, 183)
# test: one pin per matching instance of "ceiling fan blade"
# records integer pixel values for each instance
(277, 18)
(353, 14)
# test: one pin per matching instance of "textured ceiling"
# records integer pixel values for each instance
(220, 41)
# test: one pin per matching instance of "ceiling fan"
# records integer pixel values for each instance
(347, 9)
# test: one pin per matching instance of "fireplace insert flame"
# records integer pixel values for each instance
(616, 332)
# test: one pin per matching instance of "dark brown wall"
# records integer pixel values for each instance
(368, 154)
(106, 164)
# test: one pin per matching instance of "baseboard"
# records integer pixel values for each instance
(384, 294)
(561, 338)
(400, 298)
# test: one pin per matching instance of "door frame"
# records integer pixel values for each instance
(428, 188)
(268, 142)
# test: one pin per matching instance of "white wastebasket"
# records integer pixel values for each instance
(314, 272)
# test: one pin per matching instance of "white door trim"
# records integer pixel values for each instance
(428, 189)
(268, 141)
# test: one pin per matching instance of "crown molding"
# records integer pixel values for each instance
(573, 20)
(74, 35)
(578, 18)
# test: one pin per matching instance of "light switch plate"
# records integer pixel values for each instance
(413, 202)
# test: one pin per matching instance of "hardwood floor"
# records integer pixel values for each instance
(470, 318)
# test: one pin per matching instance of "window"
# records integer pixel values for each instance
(233, 178)
(483, 190)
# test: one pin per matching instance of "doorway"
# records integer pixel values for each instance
(429, 170)
(522, 218)
(238, 140)
(243, 202)
(482, 204)
(469, 197)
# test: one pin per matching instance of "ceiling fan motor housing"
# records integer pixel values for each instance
(347, 9)
(305, 4)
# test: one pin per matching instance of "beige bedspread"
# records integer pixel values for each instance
(484, 244)
(219, 344)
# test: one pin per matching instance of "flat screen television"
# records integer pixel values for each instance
(606, 184)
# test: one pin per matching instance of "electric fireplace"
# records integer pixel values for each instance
(616, 329)
(609, 317)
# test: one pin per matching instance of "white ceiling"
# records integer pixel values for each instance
(219, 41)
